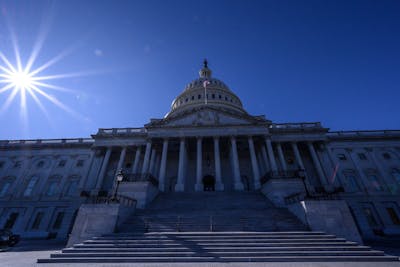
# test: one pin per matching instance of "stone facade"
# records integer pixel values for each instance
(206, 142)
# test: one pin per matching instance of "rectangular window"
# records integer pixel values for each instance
(79, 163)
(17, 164)
(58, 221)
(352, 183)
(38, 220)
(362, 156)
(62, 163)
(1, 164)
(9, 224)
(369, 214)
(374, 182)
(72, 188)
(52, 188)
(31, 185)
(4, 188)
(393, 215)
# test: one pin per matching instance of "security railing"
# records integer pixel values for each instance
(278, 175)
(105, 199)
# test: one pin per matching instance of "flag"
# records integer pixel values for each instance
(205, 83)
(333, 177)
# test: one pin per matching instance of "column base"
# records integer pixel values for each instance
(219, 187)
(198, 187)
(179, 188)
(239, 186)
(257, 185)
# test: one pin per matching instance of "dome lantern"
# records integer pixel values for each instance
(205, 72)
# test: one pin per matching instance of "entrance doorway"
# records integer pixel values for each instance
(209, 183)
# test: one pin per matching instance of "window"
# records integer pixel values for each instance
(9, 224)
(369, 214)
(226, 98)
(362, 156)
(17, 164)
(199, 97)
(52, 188)
(220, 96)
(62, 163)
(213, 96)
(396, 175)
(352, 183)
(192, 97)
(1, 164)
(37, 221)
(374, 182)
(386, 156)
(4, 188)
(393, 215)
(58, 221)
(80, 163)
(341, 157)
(40, 164)
(31, 184)
(71, 188)
(186, 100)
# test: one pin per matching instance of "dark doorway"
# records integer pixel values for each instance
(209, 183)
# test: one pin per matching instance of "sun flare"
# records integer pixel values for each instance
(21, 79)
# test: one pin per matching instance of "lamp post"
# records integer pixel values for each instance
(119, 177)
(302, 174)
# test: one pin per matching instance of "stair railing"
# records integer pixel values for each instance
(211, 224)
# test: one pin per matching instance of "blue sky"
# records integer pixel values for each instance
(337, 62)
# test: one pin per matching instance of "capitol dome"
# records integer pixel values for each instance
(216, 94)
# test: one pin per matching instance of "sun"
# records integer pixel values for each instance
(21, 80)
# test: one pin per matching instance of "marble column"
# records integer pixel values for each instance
(296, 152)
(152, 161)
(219, 186)
(199, 165)
(137, 159)
(180, 184)
(256, 172)
(145, 167)
(317, 164)
(161, 182)
(271, 156)
(265, 158)
(281, 157)
(103, 169)
(238, 185)
(121, 159)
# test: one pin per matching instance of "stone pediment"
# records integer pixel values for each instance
(208, 116)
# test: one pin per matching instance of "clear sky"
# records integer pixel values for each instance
(337, 62)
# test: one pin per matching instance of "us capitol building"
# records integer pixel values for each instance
(206, 142)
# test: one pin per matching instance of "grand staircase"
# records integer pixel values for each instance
(215, 227)
(212, 211)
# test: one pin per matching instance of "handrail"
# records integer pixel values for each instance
(301, 196)
(278, 175)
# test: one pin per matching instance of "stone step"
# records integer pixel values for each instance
(166, 245)
(219, 254)
(213, 248)
(223, 259)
